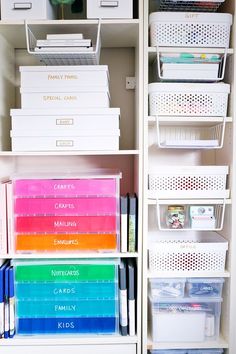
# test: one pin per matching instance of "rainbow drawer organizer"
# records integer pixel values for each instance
(66, 296)
(76, 214)
(184, 29)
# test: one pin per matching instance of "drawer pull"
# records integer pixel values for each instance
(109, 3)
(22, 5)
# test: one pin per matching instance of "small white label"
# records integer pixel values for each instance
(123, 308)
(68, 143)
(65, 121)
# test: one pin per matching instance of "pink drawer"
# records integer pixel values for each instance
(66, 187)
(77, 224)
(66, 206)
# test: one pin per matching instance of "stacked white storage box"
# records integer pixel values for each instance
(65, 108)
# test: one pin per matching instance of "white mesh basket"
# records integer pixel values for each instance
(204, 253)
(186, 29)
(189, 182)
(188, 99)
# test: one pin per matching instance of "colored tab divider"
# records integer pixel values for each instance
(92, 325)
(59, 291)
(65, 272)
(66, 187)
(66, 308)
(88, 224)
(66, 242)
(65, 206)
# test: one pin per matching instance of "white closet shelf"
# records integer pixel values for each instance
(152, 51)
(188, 201)
(67, 255)
(68, 340)
(183, 274)
(220, 343)
(114, 33)
(189, 121)
(69, 153)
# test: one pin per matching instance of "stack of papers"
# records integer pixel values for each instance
(73, 42)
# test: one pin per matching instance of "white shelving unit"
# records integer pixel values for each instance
(122, 51)
(156, 156)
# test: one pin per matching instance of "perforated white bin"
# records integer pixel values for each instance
(186, 29)
(188, 182)
(205, 252)
(183, 99)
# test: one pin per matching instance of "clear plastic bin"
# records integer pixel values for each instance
(210, 287)
(167, 287)
(185, 320)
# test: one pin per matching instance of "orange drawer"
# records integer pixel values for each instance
(66, 242)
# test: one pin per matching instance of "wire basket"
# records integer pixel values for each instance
(57, 57)
(193, 5)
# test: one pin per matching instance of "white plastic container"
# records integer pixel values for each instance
(183, 99)
(186, 29)
(86, 97)
(47, 140)
(185, 320)
(173, 253)
(109, 8)
(194, 71)
(65, 119)
(54, 77)
(188, 182)
(27, 10)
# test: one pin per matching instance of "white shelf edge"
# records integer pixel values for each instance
(153, 50)
(69, 255)
(69, 340)
(217, 344)
(188, 120)
(68, 22)
(225, 274)
(69, 153)
(190, 201)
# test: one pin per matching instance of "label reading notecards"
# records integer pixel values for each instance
(65, 272)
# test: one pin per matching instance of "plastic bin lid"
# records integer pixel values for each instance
(196, 17)
(206, 280)
(187, 87)
(154, 281)
(65, 68)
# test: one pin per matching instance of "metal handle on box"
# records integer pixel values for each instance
(109, 3)
(22, 6)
